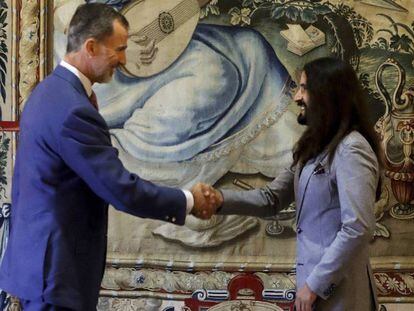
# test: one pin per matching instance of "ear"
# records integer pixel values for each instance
(91, 47)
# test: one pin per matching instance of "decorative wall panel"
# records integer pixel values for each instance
(221, 112)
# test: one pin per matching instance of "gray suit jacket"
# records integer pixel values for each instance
(335, 221)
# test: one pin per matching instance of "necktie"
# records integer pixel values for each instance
(94, 100)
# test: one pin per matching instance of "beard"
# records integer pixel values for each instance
(104, 73)
(106, 76)
(302, 120)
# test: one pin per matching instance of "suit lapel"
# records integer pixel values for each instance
(298, 170)
(302, 179)
(65, 74)
(302, 184)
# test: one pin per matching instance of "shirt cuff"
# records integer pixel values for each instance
(190, 200)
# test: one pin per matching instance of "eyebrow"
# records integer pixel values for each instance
(121, 48)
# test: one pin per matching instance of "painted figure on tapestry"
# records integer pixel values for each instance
(192, 116)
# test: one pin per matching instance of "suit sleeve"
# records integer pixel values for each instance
(86, 148)
(357, 177)
(263, 202)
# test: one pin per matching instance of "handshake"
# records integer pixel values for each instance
(206, 200)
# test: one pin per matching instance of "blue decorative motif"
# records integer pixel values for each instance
(279, 294)
(3, 50)
(5, 208)
(140, 279)
(4, 213)
(117, 4)
(4, 300)
(4, 149)
(4, 234)
(211, 295)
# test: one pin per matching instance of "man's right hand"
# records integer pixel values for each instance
(206, 200)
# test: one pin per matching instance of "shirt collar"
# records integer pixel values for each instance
(87, 84)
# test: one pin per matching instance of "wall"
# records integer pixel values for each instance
(246, 154)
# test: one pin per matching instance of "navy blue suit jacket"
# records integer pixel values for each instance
(66, 173)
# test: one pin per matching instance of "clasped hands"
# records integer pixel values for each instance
(206, 200)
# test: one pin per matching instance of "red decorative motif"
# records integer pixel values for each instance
(394, 284)
(407, 126)
(9, 126)
(240, 283)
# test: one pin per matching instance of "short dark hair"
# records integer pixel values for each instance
(337, 106)
(92, 20)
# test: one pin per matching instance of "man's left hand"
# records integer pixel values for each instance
(305, 298)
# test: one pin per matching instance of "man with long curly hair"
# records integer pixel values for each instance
(334, 180)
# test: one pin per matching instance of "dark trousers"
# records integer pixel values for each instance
(30, 305)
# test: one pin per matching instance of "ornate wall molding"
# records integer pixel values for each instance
(32, 46)
(249, 264)
(393, 286)
(385, 263)
(162, 280)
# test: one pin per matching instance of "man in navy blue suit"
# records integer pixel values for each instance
(67, 172)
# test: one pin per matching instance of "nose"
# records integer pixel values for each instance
(298, 95)
(122, 58)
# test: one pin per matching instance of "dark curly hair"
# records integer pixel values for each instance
(337, 107)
